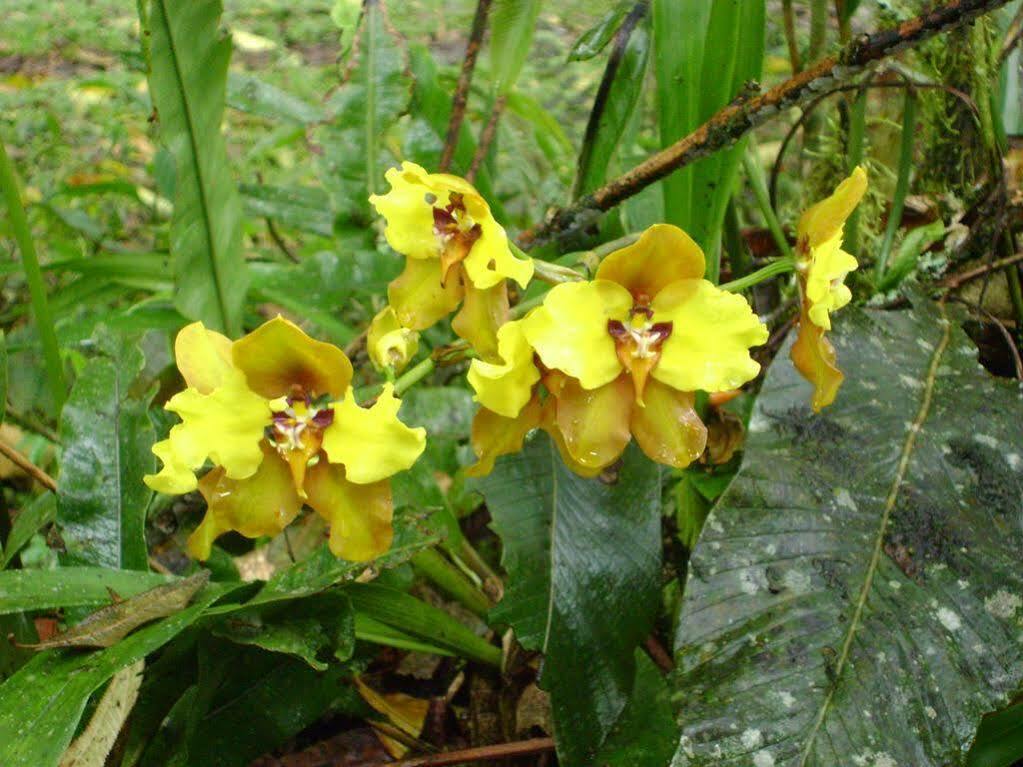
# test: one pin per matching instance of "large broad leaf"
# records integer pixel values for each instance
(857, 595)
(583, 560)
(375, 93)
(108, 440)
(22, 590)
(187, 79)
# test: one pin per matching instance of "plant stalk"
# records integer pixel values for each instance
(755, 174)
(764, 273)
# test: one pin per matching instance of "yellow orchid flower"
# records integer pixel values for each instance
(822, 266)
(276, 415)
(389, 344)
(620, 358)
(454, 250)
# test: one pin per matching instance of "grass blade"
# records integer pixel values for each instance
(34, 277)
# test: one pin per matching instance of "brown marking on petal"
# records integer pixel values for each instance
(638, 346)
(456, 238)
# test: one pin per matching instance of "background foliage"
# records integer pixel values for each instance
(834, 589)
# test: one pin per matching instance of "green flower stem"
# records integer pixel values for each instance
(764, 273)
(901, 183)
(432, 565)
(34, 277)
(755, 174)
(418, 372)
(555, 273)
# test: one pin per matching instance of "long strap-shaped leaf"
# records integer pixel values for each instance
(187, 79)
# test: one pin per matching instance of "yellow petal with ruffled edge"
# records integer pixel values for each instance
(359, 515)
(203, 356)
(408, 214)
(506, 387)
(662, 255)
(712, 332)
(825, 291)
(263, 504)
(490, 260)
(569, 330)
(278, 355)
(418, 296)
(225, 426)
(371, 442)
(824, 220)
(389, 344)
(667, 428)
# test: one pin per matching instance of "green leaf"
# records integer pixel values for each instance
(413, 616)
(733, 56)
(583, 561)
(679, 28)
(512, 24)
(645, 734)
(375, 93)
(908, 253)
(856, 594)
(30, 520)
(306, 209)
(70, 587)
(249, 93)
(108, 439)
(187, 79)
(592, 41)
(40, 705)
(267, 700)
(615, 102)
(311, 629)
(999, 741)
(322, 569)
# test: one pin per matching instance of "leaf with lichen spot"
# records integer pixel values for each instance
(108, 625)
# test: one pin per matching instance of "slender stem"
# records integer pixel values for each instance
(764, 273)
(445, 576)
(790, 36)
(901, 183)
(956, 280)
(755, 174)
(414, 376)
(487, 136)
(461, 97)
(480, 754)
(22, 462)
(844, 29)
(34, 277)
(857, 129)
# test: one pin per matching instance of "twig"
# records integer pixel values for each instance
(472, 49)
(486, 137)
(956, 280)
(22, 462)
(279, 241)
(480, 754)
(735, 120)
